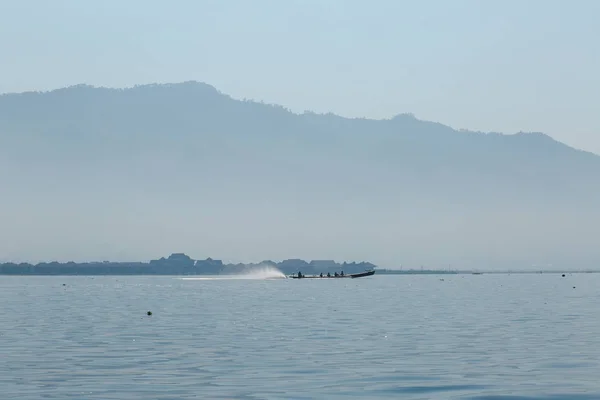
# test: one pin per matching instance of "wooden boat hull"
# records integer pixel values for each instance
(362, 274)
(351, 276)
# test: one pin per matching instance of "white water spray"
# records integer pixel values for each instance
(260, 272)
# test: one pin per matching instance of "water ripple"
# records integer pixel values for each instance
(490, 337)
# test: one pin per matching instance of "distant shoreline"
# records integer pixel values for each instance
(180, 264)
(178, 267)
(469, 272)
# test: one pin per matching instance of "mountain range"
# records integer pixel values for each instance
(92, 173)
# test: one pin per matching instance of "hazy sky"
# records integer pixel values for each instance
(483, 65)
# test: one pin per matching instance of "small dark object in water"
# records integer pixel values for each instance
(64, 284)
(563, 275)
(149, 312)
(573, 287)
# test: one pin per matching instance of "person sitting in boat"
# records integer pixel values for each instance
(321, 275)
(299, 274)
(342, 274)
(329, 275)
(336, 274)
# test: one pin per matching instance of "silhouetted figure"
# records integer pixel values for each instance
(321, 275)
(342, 274)
(329, 275)
(299, 274)
(336, 274)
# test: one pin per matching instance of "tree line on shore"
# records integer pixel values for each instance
(179, 264)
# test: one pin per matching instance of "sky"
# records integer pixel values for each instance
(503, 66)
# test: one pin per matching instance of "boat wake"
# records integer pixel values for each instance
(256, 273)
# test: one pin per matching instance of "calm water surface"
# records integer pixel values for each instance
(484, 337)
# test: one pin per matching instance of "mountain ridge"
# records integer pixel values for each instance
(210, 89)
(154, 167)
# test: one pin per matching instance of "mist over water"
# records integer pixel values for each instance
(259, 273)
(552, 207)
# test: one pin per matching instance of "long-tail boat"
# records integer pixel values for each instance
(358, 275)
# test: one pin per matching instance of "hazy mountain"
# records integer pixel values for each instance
(126, 174)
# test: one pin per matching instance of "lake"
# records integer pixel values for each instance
(478, 337)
